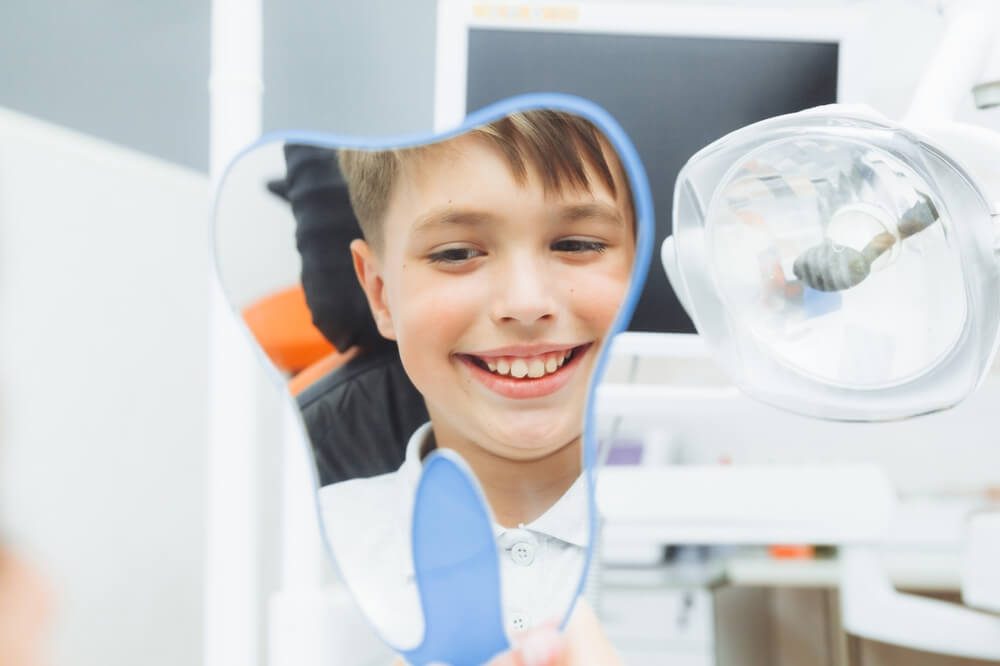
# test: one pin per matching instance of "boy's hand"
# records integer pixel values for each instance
(25, 613)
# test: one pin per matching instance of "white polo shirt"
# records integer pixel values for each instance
(368, 526)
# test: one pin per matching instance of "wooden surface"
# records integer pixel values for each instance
(788, 626)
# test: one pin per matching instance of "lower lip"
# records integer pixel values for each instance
(521, 389)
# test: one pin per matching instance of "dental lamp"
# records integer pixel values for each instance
(844, 266)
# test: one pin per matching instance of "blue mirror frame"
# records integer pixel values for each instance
(455, 558)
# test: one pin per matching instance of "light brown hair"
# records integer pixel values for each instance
(560, 146)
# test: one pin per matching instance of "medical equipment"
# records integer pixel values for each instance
(844, 266)
(841, 266)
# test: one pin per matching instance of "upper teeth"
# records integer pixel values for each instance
(528, 366)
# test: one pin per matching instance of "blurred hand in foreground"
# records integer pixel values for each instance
(24, 613)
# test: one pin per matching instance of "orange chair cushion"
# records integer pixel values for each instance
(282, 325)
(319, 369)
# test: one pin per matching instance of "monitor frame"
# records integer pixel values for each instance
(456, 18)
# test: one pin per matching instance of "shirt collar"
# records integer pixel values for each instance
(412, 465)
(565, 520)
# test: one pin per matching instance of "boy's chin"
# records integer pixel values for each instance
(533, 443)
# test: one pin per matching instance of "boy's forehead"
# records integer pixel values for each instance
(422, 167)
(454, 152)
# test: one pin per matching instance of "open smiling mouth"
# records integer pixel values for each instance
(526, 376)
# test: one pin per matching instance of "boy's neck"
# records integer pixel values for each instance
(519, 491)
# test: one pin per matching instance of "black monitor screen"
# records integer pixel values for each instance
(673, 95)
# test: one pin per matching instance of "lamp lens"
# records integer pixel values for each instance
(835, 257)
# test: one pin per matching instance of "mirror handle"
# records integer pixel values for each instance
(456, 565)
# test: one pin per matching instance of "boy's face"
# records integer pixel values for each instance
(499, 295)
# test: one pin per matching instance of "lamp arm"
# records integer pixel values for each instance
(968, 57)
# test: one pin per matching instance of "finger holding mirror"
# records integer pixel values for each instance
(495, 261)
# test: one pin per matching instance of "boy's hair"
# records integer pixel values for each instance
(559, 145)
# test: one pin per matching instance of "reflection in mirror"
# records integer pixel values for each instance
(453, 295)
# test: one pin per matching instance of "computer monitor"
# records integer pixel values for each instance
(676, 78)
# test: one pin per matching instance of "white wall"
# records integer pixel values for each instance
(130, 72)
(103, 344)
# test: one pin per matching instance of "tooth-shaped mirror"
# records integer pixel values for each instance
(438, 308)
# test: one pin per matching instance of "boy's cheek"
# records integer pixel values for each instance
(435, 321)
(599, 297)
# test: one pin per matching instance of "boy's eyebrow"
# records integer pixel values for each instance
(592, 211)
(464, 217)
(449, 217)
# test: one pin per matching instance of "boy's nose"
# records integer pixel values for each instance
(524, 295)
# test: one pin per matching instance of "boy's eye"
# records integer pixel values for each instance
(579, 245)
(454, 255)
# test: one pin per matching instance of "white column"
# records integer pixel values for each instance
(231, 591)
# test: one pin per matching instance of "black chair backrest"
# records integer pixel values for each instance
(360, 417)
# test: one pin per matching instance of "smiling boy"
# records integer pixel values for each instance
(497, 260)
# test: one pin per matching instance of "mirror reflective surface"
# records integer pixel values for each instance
(451, 296)
(838, 226)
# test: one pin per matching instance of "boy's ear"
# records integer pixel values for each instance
(369, 272)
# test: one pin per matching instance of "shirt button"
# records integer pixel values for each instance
(519, 621)
(523, 553)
